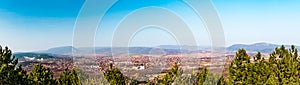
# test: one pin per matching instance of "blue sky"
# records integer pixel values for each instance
(42, 24)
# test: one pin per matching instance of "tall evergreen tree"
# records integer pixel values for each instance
(222, 81)
(115, 76)
(282, 67)
(9, 72)
(285, 66)
(68, 78)
(170, 77)
(201, 77)
(238, 68)
(40, 75)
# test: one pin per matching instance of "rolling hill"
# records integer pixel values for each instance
(257, 47)
(162, 49)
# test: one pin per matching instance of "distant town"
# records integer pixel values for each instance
(138, 64)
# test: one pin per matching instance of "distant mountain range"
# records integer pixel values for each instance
(257, 47)
(162, 49)
(59, 50)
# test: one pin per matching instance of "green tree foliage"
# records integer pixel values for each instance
(281, 68)
(238, 72)
(41, 75)
(12, 74)
(115, 77)
(169, 78)
(69, 78)
(284, 65)
(258, 70)
(9, 72)
(201, 77)
(222, 81)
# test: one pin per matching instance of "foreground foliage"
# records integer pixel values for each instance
(282, 67)
(115, 77)
(69, 78)
(41, 75)
(11, 74)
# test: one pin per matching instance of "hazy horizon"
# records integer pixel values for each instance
(207, 46)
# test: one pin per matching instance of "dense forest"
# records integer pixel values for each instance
(281, 67)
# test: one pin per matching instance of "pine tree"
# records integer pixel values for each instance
(115, 76)
(9, 72)
(41, 75)
(286, 65)
(170, 77)
(201, 77)
(222, 81)
(262, 70)
(68, 78)
(281, 68)
(238, 68)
